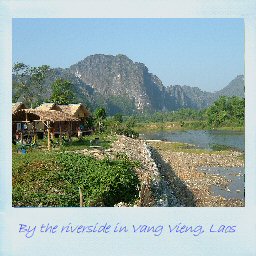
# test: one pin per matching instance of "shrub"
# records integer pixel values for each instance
(103, 182)
(54, 179)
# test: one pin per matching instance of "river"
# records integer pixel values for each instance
(205, 139)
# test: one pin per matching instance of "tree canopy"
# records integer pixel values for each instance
(29, 83)
(62, 92)
(226, 111)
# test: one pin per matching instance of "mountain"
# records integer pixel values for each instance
(120, 81)
(190, 97)
(121, 85)
(234, 88)
(193, 97)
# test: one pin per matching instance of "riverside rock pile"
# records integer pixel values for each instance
(183, 168)
(170, 178)
(155, 185)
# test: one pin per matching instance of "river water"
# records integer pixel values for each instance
(206, 140)
(235, 175)
(200, 138)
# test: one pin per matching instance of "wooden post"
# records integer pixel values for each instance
(34, 132)
(21, 136)
(49, 135)
(70, 132)
(60, 134)
(81, 197)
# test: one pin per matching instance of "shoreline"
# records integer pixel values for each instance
(170, 178)
(176, 126)
(184, 166)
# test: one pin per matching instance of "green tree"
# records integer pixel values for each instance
(28, 83)
(62, 92)
(226, 111)
(100, 115)
(118, 118)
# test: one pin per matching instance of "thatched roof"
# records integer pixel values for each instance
(72, 109)
(17, 106)
(48, 106)
(39, 115)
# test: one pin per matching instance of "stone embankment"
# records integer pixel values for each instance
(183, 167)
(170, 178)
(155, 189)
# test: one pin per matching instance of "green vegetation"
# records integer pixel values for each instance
(189, 148)
(171, 116)
(29, 82)
(99, 115)
(116, 125)
(53, 179)
(62, 92)
(226, 113)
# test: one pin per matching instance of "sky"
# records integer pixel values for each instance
(207, 53)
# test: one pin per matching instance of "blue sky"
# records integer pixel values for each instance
(207, 53)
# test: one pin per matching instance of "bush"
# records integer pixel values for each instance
(128, 132)
(54, 179)
(103, 182)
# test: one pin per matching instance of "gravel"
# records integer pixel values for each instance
(169, 178)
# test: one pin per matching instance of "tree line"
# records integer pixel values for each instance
(29, 84)
(226, 111)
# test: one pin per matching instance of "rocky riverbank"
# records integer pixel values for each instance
(183, 167)
(170, 177)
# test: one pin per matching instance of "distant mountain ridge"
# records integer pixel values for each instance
(121, 85)
(193, 97)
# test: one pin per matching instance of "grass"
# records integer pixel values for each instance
(187, 148)
(151, 127)
(105, 142)
(53, 178)
(231, 128)
(176, 126)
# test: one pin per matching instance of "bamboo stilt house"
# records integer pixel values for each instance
(76, 110)
(63, 119)
(55, 122)
(81, 112)
(16, 107)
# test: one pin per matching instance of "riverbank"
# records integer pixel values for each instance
(165, 174)
(181, 126)
(169, 175)
(183, 166)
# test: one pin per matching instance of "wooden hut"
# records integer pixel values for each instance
(17, 126)
(76, 110)
(79, 111)
(48, 106)
(50, 119)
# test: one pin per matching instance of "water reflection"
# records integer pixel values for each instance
(235, 175)
(200, 138)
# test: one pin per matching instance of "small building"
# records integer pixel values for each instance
(64, 119)
(17, 106)
(48, 106)
(50, 119)
(76, 110)
(19, 125)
